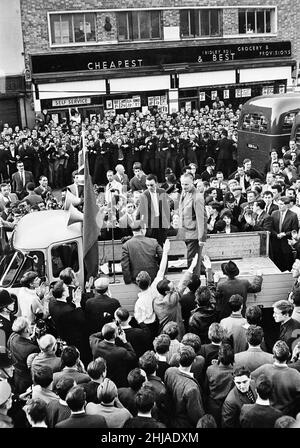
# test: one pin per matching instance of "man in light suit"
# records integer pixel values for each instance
(192, 219)
(75, 188)
(20, 179)
(254, 357)
(6, 196)
(154, 210)
(121, 177)
(43, 188)
(140, 254)
(283, 223)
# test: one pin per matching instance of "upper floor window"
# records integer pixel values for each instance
(139, 25)
(200, 22)
(72, 28)
(256, 21)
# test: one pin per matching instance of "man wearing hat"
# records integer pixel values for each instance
(100, 308)
(209, 170)
(5, 405)
(233, 286)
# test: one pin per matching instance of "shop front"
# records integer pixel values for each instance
(166, 79)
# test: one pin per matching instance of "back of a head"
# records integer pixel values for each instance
(161, 344)
(122, 314)
(186, 356)
(107, 391)
(163, 286)
(194, 283)
(63, 386)
(109, 331)
(264, 387)
(253, 315)
(143, 280)
(171, 329)
(36, 409)
(43, 376)
(235, 302)
(206, 421)
(203, 296)
(226, 354)
(145, 399)
(30, 186)
(96, 368)
(296, 297)
(216, 333)
(281, 351)
(58, 289)
(28, 278)
(76, 398)
(69, 356)
(192, 340)
(254, 335)
(47, 343)
(135, 379)
(148, 362)
(285, 421)
(20, 324)
(67, 276)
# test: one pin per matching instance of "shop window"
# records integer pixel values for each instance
(255, 123)
(200, 22)
(63, 256)
(139, 25)
(256, 21)
(72, 28)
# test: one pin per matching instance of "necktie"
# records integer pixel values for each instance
(250, 396)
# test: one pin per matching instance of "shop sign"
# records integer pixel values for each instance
(133, 59)
(76, 101)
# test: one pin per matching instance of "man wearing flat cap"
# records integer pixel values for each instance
(233, 285)
(100, 308)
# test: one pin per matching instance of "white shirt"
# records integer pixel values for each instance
(115, 185)
(29, 304)
(143, 309)
(154, 202)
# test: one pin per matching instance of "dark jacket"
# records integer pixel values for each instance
(83, 421)
(200, 320)
(120, 358)
(232, 406)
(100, 310)
(258, 416)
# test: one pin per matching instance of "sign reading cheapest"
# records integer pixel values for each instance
(133, 59)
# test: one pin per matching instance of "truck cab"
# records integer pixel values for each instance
(43, 242)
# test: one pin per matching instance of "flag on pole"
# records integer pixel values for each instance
(90, 226)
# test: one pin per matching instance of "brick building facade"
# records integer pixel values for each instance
(121, 55)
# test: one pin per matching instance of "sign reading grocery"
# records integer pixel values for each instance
(157, 57)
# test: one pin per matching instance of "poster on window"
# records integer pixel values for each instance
(225, 94)
(188, 106)
(145, 110)
(129, 103)
(267, 90)
(281, 88)
(92, 116)
(123, 104)
(238, 93)
(157, 100)
(55, 118)
(201, 96)
(151, 101)
(213, 94)
(136, 101)
(163, 100)
(246, 92)
(116, 104)
(109, 104)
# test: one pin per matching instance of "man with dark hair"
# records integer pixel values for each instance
(111, 344)
(188, 299)
(236, 319)
(20, 179)
(285, 380)
(261, 220)
(32, 198)
(135, 378)
(43, 189)
(261, 414)
(138, 181)
(58, 410)
(149, 363)
(185, 391)
(289, 327)
(144, 401)
(79, 419)
(154, 210)
(42, 377)
(100, 308)
(225, 150)
(161, 345)
(254, 357)
(270, 206)
(253, 316)
(36, 413)
(139, 336)
(71, 367)
(284, 222)
(97, 372)
(242, 393)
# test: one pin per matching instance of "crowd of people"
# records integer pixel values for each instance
(189, 356)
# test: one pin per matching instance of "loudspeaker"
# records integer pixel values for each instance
(74, 215)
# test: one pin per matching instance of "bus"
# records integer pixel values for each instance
(265, 123)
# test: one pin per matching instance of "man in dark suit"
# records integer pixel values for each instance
(4, 154)
(154, 210)
(284, 221)
(79, 418)
(6, 197)
(225, 151)
(111, 344)
(270, 206)
(140, 253)
(43, 188)
(100, 308)
(20, 179)
(260, 220)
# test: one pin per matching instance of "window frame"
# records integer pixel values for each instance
(256, 10)
(72, 14)
(194, 22)
(129, 24)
